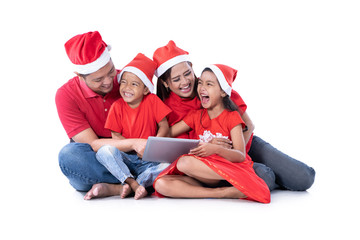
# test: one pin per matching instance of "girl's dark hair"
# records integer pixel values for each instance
(161, 91)
(228, 103)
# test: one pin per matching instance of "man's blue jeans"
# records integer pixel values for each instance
(128, 165)
(79, 164)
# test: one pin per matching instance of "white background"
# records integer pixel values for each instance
(298, 65)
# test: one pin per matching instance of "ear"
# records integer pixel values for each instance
(146, 91)
(81, 78)
(223, 94)
(165, 84)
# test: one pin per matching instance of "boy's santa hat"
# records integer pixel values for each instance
(88, 52)
(225, 75)
(167, 56)
(143, 67)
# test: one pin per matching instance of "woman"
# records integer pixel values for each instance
(176, 86)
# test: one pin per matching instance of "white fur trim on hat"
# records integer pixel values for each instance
(95, 65)
(222, 80)
(140, 74)
(171, 62)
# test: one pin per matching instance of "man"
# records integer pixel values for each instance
(83, 104)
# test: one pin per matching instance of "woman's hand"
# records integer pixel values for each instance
(223, 142)
(204, 149)
(139, 147)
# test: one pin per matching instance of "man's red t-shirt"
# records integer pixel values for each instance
(80, 108)
(140, 122)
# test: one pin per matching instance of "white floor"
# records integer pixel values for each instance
(51, 209)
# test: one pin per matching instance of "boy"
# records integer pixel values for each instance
(132, 119)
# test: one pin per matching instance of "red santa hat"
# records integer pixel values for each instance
(225, 75)
(167, 56)
(143, 67)
(88, 52)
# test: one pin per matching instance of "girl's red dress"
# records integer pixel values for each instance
(240, 175)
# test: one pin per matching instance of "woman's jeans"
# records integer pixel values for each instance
(128, 165)
(279, 170)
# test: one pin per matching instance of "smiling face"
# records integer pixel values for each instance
(182, 80)
(132, 89)
(101, 81)
(209, 91)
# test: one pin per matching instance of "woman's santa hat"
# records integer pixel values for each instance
(225, 75)
(143, 67)
(88, 52)
(167, 56)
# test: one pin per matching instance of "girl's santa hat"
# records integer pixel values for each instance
(225, 75)
(88, 52)
(167, 56)
(143, 67)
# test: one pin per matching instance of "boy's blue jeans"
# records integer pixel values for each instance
(128, 165)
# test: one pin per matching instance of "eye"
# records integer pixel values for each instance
(123, 81)
(187, 73)
(175, 79)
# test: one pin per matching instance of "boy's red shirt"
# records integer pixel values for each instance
(140, 122)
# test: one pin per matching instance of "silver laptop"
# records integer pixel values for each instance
(164, 149)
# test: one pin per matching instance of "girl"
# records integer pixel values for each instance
(176, 86)
(211, 164)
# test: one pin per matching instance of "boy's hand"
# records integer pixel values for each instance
(204, 149)
(139, 146)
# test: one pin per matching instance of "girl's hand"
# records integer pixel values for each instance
(204, 149)
(139, 147)
(224, 142)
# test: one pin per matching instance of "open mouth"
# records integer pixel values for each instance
(129, 95)
(186, 89)
(204, 98)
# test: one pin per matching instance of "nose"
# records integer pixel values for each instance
(183, 81)
(108, 80)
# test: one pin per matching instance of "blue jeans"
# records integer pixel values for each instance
(279, 170)
(128, 165)
(79, 164)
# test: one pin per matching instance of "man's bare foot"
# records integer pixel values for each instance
(101, 190)
(233, 192)
(126, 190)
(140, 192)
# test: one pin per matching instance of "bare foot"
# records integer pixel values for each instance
(100, 190)
(233, 192)
(126, 190)
(140, 192)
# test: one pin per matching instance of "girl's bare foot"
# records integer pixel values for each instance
(140, 192)
(233, 192)
(126, 190)
(100, 190)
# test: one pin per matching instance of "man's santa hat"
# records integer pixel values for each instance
(88, 52)
(167, 56)
(143, 67)
(225, 75)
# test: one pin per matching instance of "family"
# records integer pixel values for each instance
(108, 114)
